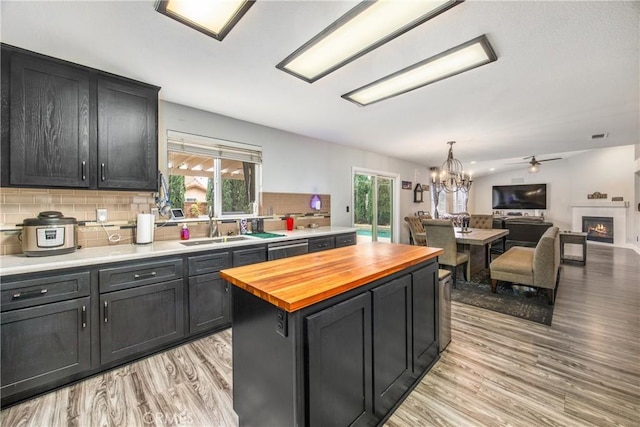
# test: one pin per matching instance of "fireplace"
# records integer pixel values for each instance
(598, 228)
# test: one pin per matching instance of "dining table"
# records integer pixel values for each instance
(476, 242)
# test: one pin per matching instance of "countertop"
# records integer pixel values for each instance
(301, 281)
(19, 264)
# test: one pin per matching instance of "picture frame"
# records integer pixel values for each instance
(407, 185)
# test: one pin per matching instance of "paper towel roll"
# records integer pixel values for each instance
(144, 229)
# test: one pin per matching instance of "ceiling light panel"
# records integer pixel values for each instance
(365, 27)
(464, 57)
(213, 18)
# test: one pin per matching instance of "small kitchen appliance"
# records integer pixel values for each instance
(49, 234)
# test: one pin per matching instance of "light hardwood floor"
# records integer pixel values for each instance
(583, 370)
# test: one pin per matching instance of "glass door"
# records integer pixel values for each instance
(373, 201)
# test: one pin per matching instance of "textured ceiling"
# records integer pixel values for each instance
(565, 71)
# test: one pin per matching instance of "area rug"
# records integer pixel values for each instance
(514, 300)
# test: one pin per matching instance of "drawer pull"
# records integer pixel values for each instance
(29, 294)
(84, 316)
(144, 276)
(106, 312)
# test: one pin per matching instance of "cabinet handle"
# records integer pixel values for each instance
(84, 316)
(30, 294)
(226, 286)
(106, 312)
(144, 276)
(102, 171)
(84, 171)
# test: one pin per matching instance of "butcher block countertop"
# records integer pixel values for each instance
(301, 281)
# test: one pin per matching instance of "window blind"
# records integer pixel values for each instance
(214, 147)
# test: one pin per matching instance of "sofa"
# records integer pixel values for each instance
(523, 230)
(538, 267)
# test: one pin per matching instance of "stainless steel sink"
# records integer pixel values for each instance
(215, 240)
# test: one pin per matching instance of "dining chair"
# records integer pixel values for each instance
(481, 221)
(440, 234)
(416, 230)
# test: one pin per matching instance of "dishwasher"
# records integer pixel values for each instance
(444, 307)
(287, 249)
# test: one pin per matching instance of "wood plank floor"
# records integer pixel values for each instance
(583, 370)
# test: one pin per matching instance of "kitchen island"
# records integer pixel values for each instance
(333, 338)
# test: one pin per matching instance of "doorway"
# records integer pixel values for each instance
(374, 205)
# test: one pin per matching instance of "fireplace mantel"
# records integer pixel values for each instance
(599, 204)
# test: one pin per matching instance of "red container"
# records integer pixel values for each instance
(289, 223)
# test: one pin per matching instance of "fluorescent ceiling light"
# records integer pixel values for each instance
(365, 27)
(464, 57)
(213, 18)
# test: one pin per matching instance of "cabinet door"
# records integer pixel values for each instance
(43, 344)
(339, 360)
(127, 136)
(392, 358)
(321, 244)
(249, 256)
(345, 240)
(209, 303)
(49, 121)
(425, 316)
(140, 319)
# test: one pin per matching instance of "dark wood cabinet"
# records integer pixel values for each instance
(318, 244)
(140, 319)
(425, 316)
(209, 303)
(339, 364)
(72, 126)
(44, 344)
(127, 135)
(392, 343)
(345, 240)
(49, 124)
(248, 256)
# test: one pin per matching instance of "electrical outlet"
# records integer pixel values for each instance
(101, 215)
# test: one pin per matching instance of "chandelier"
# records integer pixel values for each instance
(451, 177)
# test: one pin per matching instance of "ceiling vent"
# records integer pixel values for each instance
(599, 135)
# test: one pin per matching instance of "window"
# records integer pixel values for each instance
(208, 175)
(452, 202)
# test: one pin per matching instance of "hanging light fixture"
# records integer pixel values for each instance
(451, 177)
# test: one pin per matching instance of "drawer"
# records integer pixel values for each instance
(146, 273)
(249, 256)
(321, 244)
(345, 240)
(209, 263)
(44, 290)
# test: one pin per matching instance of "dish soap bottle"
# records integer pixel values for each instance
(184, 233)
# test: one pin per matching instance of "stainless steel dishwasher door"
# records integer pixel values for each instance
(287, 249)
(444, 306)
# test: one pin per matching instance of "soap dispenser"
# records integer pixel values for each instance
(184, 233)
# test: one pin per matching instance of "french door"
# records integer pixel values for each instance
(374, 205)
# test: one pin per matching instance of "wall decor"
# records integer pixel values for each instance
(597, 195)
(617, 199)
(417, 193)
(407, 185)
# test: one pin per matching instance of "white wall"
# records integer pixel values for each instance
(607, 170)
(293, 163)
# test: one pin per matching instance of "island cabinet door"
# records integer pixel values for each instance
(392, 358)
(425, 316)
(339, 364)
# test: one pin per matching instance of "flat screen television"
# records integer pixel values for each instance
(527, 196)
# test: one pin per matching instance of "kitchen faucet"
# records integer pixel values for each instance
(213, 224)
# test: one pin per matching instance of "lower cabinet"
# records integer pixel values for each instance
(209, 303)
(425, 316)
(339, 357)
(44, 344)
(140, 319)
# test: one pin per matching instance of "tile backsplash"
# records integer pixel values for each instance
(17, 204)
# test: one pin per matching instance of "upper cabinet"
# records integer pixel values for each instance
(75, 127)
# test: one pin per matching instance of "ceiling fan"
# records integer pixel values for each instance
(534, 164)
